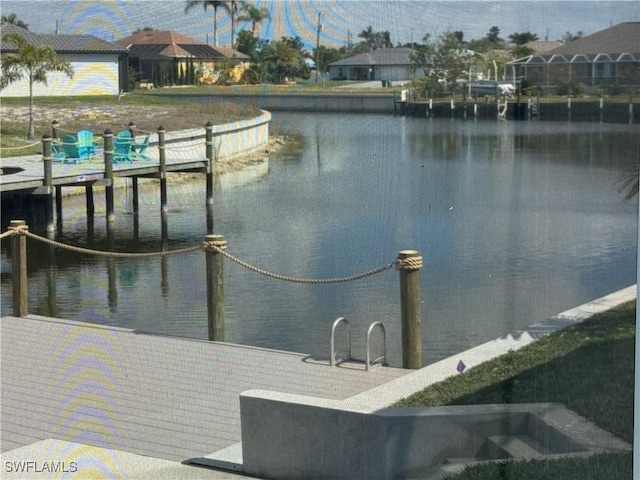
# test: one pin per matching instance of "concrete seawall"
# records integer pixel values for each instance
(347, 103)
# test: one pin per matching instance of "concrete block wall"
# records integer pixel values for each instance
(296, 437)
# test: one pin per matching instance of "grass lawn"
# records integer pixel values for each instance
(588, 367)
(98, 113)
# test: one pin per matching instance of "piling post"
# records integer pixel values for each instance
(215, 286)
(91, 208)
(210, 161)
(108, 174)
(163, 169)
(19, 267)
(54, 129)
(408, 263)
(58, 190)
(48, 181)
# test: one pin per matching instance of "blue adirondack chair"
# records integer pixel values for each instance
(86, 144)
(57, 152)
(71, 151)
(139, 149)
(122, 147)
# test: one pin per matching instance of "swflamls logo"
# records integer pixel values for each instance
(40, 467)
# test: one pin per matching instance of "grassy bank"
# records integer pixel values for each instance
(148, 112)
(588, 367)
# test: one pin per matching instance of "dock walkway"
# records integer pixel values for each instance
(157, 396)
(27, 173)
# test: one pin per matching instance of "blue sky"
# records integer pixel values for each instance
(404, 19)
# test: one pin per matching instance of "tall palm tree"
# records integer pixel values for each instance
(255, 15)
(215, 4)
(32, 62)
(232, 6)
(12, 19)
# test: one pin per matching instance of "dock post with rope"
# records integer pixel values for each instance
(408, 264)
(214, 244)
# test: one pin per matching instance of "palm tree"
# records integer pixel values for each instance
(280, 57)
(215, 4)
(232, 6)
(34, 63)
(254, 15)
(12, 19)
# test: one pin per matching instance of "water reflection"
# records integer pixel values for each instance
(516, 221)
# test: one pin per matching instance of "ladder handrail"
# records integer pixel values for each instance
(383, 344)
(333, 332)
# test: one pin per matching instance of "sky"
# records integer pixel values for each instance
(406, 20)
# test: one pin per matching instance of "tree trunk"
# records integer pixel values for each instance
(31, 135)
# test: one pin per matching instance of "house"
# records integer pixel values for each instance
(164, 57)
(383, 64)
(99, 66)
(608, 58)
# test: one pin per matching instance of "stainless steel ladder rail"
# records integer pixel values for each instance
(333, 335)
(383, 357)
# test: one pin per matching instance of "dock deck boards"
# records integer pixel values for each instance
(29, 172)
(165, 397)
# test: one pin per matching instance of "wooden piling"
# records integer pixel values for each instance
(19, 268)
(135, 193)
(408, 264)
(215, 286)
(211, 161)
(91, 207)
(47, 158)
(163, 169)
(108, 174)
(58, 190)
(54, 129)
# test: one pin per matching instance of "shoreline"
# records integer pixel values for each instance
(276, 143)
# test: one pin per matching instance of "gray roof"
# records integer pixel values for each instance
(61, 43)
(382, 56)
(621, 38)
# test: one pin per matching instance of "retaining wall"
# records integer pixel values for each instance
(351, 103)
(230, 140)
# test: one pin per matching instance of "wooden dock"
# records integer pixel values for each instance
(157, 396)
(26, 174)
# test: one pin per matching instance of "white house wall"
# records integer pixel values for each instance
(94, 74)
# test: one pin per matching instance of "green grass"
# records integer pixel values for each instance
(98, 113)
(588, 367)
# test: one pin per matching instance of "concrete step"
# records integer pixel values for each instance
(511, 446)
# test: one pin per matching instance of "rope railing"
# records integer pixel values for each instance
(408, 263)
(286, 278)
(204, 246)
(21, 147)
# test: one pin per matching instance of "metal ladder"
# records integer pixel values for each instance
(382, 359)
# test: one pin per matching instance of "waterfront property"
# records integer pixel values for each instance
(100, 67)
(390, 64)
(164, 57)
(607, 59)
(259, 412)
(195, 150)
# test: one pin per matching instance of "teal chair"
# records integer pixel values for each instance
(122, 147)
(139, 149)
(71, 151)
(86, 144)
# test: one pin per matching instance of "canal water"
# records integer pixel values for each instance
(516, 221)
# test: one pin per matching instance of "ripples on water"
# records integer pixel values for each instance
(516, 221)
